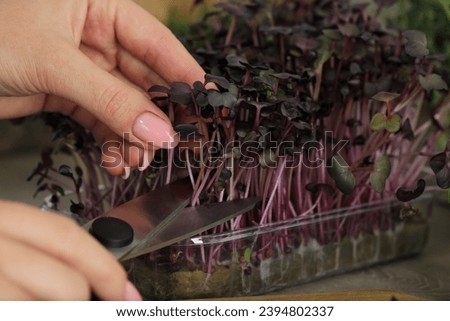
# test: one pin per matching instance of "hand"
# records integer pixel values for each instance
(46, 256)
(91, 60)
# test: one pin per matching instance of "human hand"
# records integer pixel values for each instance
(45, 256)
(91, 60)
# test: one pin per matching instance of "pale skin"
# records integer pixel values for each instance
(91, 60)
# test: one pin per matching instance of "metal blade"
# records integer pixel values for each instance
(149, 214)
(192, 221)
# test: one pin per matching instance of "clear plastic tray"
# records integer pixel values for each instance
(265, 258)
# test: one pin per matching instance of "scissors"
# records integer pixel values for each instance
(160, 218)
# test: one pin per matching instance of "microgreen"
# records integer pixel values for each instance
(280, 77)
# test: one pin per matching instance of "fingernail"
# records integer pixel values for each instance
(126, 170)
(131, 293)
(153, 130)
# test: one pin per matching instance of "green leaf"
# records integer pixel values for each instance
(378, 122)
(333, 34)
(446, 7)
(382, 170)
(338, 170)
(267, 158)
(378, 181)
(394, 123)
(432, 82)
(383, 166)
(248, 255)
(416, 43)
(324, 55)
(385, 97)
(349, 30)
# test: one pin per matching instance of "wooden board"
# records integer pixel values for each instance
(360, 295)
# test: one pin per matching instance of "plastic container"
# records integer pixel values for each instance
(266, 258)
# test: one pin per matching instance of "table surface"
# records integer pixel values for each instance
(426, 276)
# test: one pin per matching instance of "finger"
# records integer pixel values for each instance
(132, 70)
(14, 107)
(99, 58)
(12, 292)
(82, 115)
(153, 43)
(114, 149)
(63, 239)
(123, 108)
(44, 277)
(137, 71)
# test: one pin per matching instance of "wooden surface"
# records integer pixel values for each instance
(360, 295)
(425, 276)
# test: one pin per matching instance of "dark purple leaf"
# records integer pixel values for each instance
(158, 89)
(206, 52)
(41, 188)
(359, 140)
(259, 104)
(187, 130)
(277, 30)
(58, 189)
(234, 10)
(290, 111)
(353, 123)
(355, 69)
(407, 130)
(198, 85)
(438, 162)
(439, 165)
(76, 208)
(285, 75)
(215, 98)
(225, 174)
(301, 125)
(309, 107)
(443, 178)
(180, 93)
(317, 187)
(202, 99)
(65, 171)
(404, 194)
(236, 61)
(79, 171)
(220, 81)
(228, 100)
(46, 157)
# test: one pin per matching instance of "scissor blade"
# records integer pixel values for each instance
(149, 214)
(192, 221)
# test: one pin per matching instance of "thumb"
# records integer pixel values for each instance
(126, 110)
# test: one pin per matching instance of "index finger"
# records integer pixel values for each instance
(146, 38)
